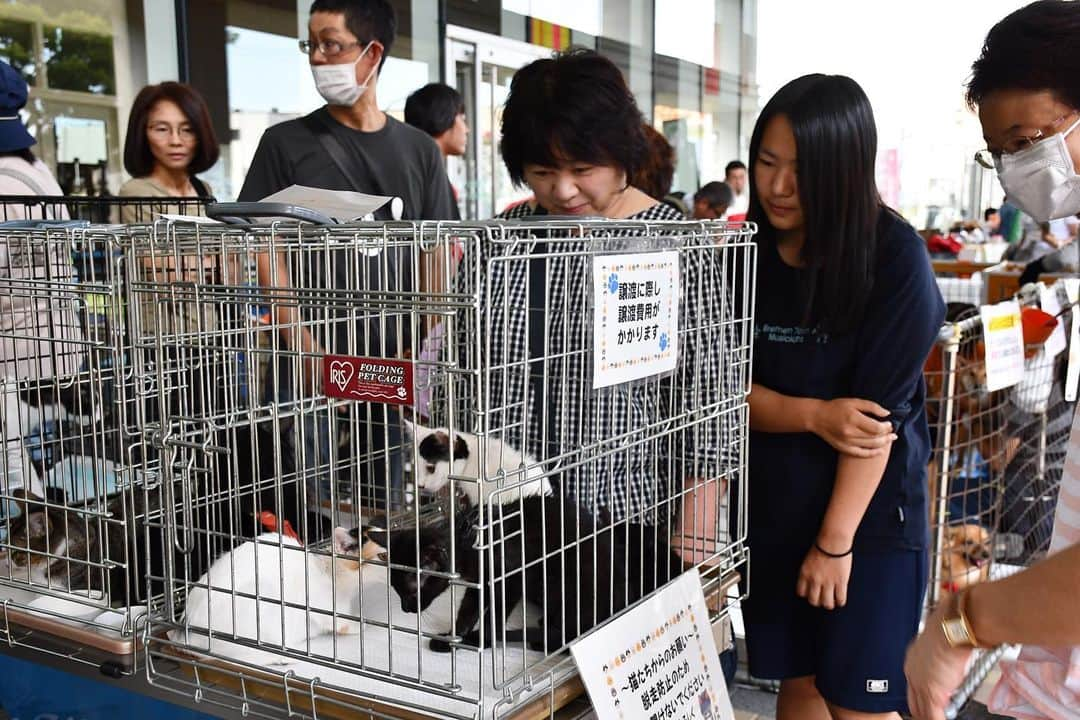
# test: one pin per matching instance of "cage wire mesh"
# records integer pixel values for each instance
(509, 478)
(71, 494)
(996, 463)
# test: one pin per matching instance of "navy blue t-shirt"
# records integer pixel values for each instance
(792, 475)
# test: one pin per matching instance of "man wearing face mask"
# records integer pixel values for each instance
(1026, 86)
(350, 144)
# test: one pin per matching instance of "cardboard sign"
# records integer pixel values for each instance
(636, 323)
(368, 379)
(1003, 337)
(657, 661)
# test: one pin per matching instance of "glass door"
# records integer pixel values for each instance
(481, 67)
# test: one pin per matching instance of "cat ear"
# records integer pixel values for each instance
(461, 448)
(24, 498)
(378, 536)
(344, 542)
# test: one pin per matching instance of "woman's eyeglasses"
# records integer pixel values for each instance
(988, 158)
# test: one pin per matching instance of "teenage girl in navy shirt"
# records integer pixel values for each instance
(847, 311)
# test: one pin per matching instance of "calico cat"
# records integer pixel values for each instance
(524, 475)
(271, 590)
(578, 573)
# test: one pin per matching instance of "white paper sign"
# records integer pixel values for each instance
(195, 219)
(657, 661)
(1003, 337)
(636, 324)
(1072, 374)
(343, 205)
(1058, 340)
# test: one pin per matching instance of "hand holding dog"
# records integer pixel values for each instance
(823, 580)
(845, 424)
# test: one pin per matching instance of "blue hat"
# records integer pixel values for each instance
(13, 135)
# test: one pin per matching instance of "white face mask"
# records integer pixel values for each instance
(1041, 180)
(337, 83)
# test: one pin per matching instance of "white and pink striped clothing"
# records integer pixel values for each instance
(1044, 682)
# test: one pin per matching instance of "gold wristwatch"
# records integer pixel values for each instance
(957, 627)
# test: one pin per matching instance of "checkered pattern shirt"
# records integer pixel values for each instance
(621, 450)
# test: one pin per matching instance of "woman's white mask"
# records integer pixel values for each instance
(1041, 180)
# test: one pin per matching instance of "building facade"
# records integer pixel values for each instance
(690, 63)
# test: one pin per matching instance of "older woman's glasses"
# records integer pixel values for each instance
(164, 131)
(988, 158)
(329, 48)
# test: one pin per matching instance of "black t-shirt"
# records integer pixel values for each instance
(407, 162)
(792, 475)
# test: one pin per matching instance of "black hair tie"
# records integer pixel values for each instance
(835, 556)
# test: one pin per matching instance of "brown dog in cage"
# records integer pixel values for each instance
(965, 557)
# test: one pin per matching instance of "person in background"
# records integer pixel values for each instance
(991, 225)
(736, 178)
(169, 140)
(1026, 86)
(657, 170)
(439, 110)
(21, 172)
(40, 334)
(349, 143)
(847, 311)
(713, 201)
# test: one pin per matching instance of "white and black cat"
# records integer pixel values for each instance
(271, 590)
(478, 475)
(546, 550)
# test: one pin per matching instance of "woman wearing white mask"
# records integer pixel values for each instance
(1026, 85)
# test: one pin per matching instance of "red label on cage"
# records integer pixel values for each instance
(368, 379)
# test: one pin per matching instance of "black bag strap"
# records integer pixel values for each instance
(333, 147)
(200, 188)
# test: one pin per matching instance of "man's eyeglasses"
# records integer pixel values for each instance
(987, 157)
(329, 48)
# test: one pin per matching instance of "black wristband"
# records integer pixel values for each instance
(835, 556)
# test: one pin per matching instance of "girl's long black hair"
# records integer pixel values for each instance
(836, 142)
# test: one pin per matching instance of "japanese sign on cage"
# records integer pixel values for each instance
(1072, 372)
(658, 661)
(636, 323)
(1003, 338)
(368, 379)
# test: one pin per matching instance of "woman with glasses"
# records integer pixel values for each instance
(169, 140)
(1026, 87)
(847, 311)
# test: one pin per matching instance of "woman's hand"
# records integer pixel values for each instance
(823, 580)
(845, 424)
(934, 669)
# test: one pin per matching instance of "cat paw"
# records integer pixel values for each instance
(348, 628)
(439, 646)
